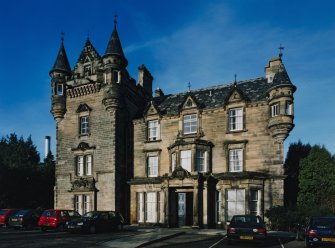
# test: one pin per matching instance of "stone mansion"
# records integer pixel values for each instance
(194, 158)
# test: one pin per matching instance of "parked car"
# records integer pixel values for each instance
(56, 219)
(320, 231)
(5, 214)
(246, 228)
(97, 221)
(24, 218)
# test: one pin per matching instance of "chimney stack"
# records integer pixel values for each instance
(47, 146)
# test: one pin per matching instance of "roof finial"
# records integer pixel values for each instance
(281, 48)
(115, 19)
(62, 36)
(189, 86)
(235, 78)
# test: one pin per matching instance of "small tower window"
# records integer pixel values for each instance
(275, 109)
(87, 70)
(115, 76)
(59, 89)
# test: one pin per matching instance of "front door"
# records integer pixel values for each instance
(181, 209)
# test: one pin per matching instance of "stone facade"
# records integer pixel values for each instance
(193, 158)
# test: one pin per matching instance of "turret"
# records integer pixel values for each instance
(280, 100)
(59, 74)
(114, 61)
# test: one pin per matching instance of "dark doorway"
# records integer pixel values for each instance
(181, 208)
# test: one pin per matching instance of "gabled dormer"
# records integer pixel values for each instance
(190, 102)
(152, 119)
(235, 105)
(235, 95)
(151, 109)
(88, 61)
(190, 117)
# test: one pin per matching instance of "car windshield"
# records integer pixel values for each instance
(323, 223)
(49, 213)
(22, 212)
(246, 220)
(3, 211)
(91, 215)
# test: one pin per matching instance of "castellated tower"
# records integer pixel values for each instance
(93, 106)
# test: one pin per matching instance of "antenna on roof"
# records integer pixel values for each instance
(281, 48)
(189, 86)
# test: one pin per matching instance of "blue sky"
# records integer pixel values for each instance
(202, 42)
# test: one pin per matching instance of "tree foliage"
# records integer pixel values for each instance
(296, 152)
(24, 181)
(317, 180)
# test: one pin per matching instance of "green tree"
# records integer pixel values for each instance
(24, 182)
(317, 181)
(296, 152)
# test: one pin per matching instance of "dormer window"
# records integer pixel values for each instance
(153, 130)
(190, 124)
(235, 119)
(60, 89)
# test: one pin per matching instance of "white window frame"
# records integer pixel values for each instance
(152, 166)
(140, 206)
(190, 124)
(289, 108)
(153, 130)
(218, 197)
(80, 166)
(235, 202)
(254, 202)
(236, 119)
(151, 207)
(201, 160)
(275, 109)
(236, 160)
(186, 159)
(60, 89)
(84, 124)
(83, 203)
(84, 165)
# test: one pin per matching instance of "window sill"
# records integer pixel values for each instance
(237, 131)
(152, 141)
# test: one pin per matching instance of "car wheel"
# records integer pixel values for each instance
(93, 229)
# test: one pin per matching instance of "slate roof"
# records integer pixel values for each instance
(114, 45)
(62, 63)
(216, 97)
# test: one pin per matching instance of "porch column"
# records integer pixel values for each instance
(166, 205)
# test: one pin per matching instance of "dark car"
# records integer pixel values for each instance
(246, 228)
(5, 214)
(320, 231)
(56, 219)
(97, 221)
(24, 218)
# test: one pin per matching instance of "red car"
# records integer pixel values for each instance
(4, 215)
(56, 219)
